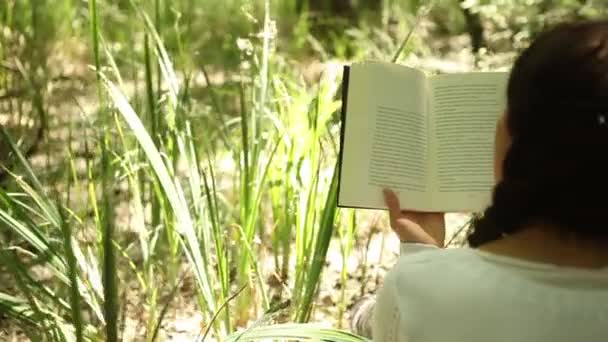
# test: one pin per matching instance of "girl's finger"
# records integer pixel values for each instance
(392, 202)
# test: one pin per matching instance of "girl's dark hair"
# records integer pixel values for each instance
(556, 170)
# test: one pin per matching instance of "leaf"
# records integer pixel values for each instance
(297, 332)
(173, 193)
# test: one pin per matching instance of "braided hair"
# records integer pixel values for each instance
(555, 172)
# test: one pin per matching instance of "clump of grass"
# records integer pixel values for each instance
(30, 214)
(186, 209)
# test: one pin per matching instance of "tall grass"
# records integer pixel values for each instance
(30, 214)
(186, 205)
(192, 217)
(107, 222)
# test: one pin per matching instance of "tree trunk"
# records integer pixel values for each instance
(474, 28)
(339, 8)
(344, 9)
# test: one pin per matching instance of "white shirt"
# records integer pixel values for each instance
(463, 294)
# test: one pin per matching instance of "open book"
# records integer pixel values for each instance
(428, 138)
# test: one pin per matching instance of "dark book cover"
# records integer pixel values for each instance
(345, 79)
(345, 84)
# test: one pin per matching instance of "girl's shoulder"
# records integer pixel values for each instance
(427, 266)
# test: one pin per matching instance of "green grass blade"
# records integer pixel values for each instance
(165, 64)
(18, 309)
(253, 219)
(73, 275)
(422, 11)
(150, 96)
(14, 218)
(175, 200)
(94, 26)
(295, 332)
(110, 278)
(48, 323)
(325, 232)
(29, 172)
(347, 239)
(165, 308)
(31, 234)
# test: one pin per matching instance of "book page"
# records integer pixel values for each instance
(464, 112)
(386, 134)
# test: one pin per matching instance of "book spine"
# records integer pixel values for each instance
(345, 80)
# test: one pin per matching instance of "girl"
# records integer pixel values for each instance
(537, 269)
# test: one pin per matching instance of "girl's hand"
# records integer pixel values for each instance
(412, 226)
